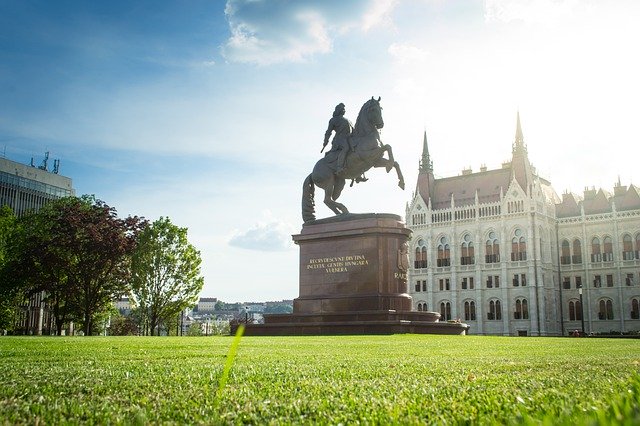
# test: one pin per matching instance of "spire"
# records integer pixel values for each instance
(518, 143)
(521, 168)
(426, 181)
(426, 165)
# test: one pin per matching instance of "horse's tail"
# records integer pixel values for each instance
(308, 203)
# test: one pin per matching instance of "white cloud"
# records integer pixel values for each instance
(380, 13)
(272, 236)
(532, 11)
(280, 31)
(405, 53)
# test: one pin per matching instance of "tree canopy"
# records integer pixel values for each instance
(76, 250)
(166, 275)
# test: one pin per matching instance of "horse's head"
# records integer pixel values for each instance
(369, 118)
(374, 113)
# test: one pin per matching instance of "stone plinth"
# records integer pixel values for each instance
(353, 263)
(353, 280)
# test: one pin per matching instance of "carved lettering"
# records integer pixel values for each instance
(333, 265)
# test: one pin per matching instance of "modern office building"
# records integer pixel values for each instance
(24, 187)
(28, 188)
(500, 250)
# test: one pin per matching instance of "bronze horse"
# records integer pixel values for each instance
(367, 152)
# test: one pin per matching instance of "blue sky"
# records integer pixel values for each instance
(212, 113)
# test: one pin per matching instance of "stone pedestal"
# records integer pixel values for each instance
(353, 280)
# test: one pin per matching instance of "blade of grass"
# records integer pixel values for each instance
(231, 356)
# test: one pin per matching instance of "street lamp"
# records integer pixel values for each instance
(246, 315)
(581, 309)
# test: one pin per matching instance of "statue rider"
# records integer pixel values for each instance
(341, 140)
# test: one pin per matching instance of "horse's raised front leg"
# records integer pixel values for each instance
(399, 172)
(391, 163)
(383, 162)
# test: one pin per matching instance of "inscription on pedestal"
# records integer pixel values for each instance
(333, 265)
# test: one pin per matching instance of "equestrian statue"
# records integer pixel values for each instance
(354, 150)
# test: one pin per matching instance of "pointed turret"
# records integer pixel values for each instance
(426, 165)
(518, 143)
(521, 167)
(425, 175)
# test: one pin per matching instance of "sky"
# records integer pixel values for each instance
(212, 113)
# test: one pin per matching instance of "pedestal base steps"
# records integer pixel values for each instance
(353, 280)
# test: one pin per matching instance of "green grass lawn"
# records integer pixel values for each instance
(346, 379)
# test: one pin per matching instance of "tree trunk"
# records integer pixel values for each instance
(87, 324)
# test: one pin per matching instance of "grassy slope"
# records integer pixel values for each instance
(375, 379)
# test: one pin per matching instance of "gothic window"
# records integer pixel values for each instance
(605, 309)
(629, 280)
(495, 312)
(445, 311)
(444, 252)
(577, 252)
(519, 280)
(596, 255)
(467, 251)
(422, 307)
(635, 308)
(518, 247)
(469, 310)
(522, 309)
(597, 281)
(607, 255)
(492, 249)
(609, 280)
(627, 248)
(421, 255)
(575, 310)
(637, 251)
(565, 257)
(445, 284)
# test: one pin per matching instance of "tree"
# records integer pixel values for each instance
(77, 251)
(122, 326)
(165, 272)
(9, 294)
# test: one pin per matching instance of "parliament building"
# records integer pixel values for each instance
(501, 251)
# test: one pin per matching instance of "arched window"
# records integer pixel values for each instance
(605, 309)
(492, 249)
(444, 252)
(627, 248)
(495, 312)
(607, 255)
(522, 309)
(445, 311)
(635, 308)
(518, 247)
(596, 255)
(565, 257)
(577, 252)
(637, 245)
(422, 307)
(467, 251)
(421, 255)
(575, 310)
(469, 310)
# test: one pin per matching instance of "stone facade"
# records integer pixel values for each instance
(499, 250)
